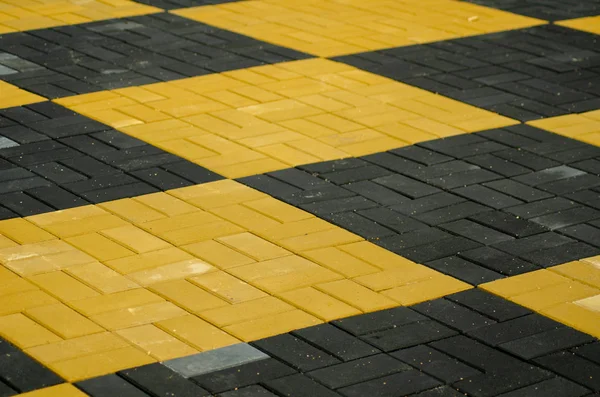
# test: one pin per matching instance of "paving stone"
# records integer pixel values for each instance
(24, 374)
(161, 381)
(131, 52)
(250, 391)
(573, 184)
(110, 385)
(378, 193)
(498, 165)
(299, 385)
(533, 243)
(355, 174)
(337, 342)
(546, 257)
(591, 351)
(453, 315)
(215, 360)
(358, 224)
(408, 335)
(378, 321)
(548, 175)
(403, 383)
(428, 203)
(358, 371)
(392, 220)
(558, 387)
(542, 207)
(515, 329)
(476, 232)
(438, 249)
(464, 270)
(435, 363)
(486, 196)
(406, 186)
(295, 352)
(499, 261)
(567, 217)
(452, 213)
(551, 10)
(6, 391)
(508, 224)
(347, 204)
(490, 305)
(546, 342)
(243, 375)
(574, 368)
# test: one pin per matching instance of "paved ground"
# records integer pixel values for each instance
(274, 198)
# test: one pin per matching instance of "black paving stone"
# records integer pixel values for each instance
(556, 387)
(453, 315)
(408, 335)
(299, 385)
(110, 385)
(549, 10)
(525, 74)
(515, 329)
(464, 270)
(490, 305)
(250, 391)
(546, 342)
(22, 373)
(83, 58)
(403, 383)
(573, 367)
(160, 381)
(90, 163)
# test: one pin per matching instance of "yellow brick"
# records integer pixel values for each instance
(5, 242)
(84, 226)
(201, 233)
(427, 289)
(63, 286)
(254, 246)
(15, 303)
(101, 277)
(188, 296)
(99, 247)
(397, 277)
(132, 210)
(166, 204)
(375, 255)
(24, 332)
(13, 96)
(23, 232)
(575, 316)
(64, 390)
(245, 217)
(156, 342)
(319, 304)
(289, 155)
(148, 260)
(217, 194)
(13, 284)
(103, 363)
(173, 271)
(139, 315)
(179, 222)
(239, 170)
(116, 301)
(240, 312)
(325, 238)
(279, 210)
(356, 295)
(49, 263)
(63, 321)
(523, 283)
(21, 252)
(272, 325)
(71, 214)
(218, 254)
(227, 287)
(340, 262)
(592, 303)
(554, 295)
(197, 333)
(293, 229)
(582, 271)
(77, 347)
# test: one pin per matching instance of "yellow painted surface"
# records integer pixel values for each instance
(292, 113)
(334, 27)
(120, 301)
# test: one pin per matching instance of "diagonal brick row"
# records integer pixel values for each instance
(478, 207)
(550, 10)
(127, 52)
(525, 74)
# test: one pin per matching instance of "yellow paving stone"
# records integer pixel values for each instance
(10, 95)
(254, 246)
(63, 286)
(396, 277)
(5, 242)
(77, 347)
(277, 209)
(71, 214)
(63, 390)
(99, 246)
(201, 233)
(139, 315)
(63, 321)
(229, 288)
(37, 264)
(217, 194)
(592, 303)
(552, 295)
(583, 271)
(240, 312)
(312, 110)
(587, 24)
(320, 305)
(272, 325)
(14, 284)
(427, 289)
(339, 261)
(101, 277)
(132, 210)
(15, 303)
(197, 333)
(116, 301)
(23, 232)
(156, 342)
(583, 126)
(524, 283)
(149, 260)
(356, 295)
(84, 226)
(319, 239)
(326, 29)
(218, 254)
(166, 204)
(103, 363)
(294, 229)
(173, 271)
(135, 239)
(179, 222)
(24, 332)
(245, 217)
(188, 296)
